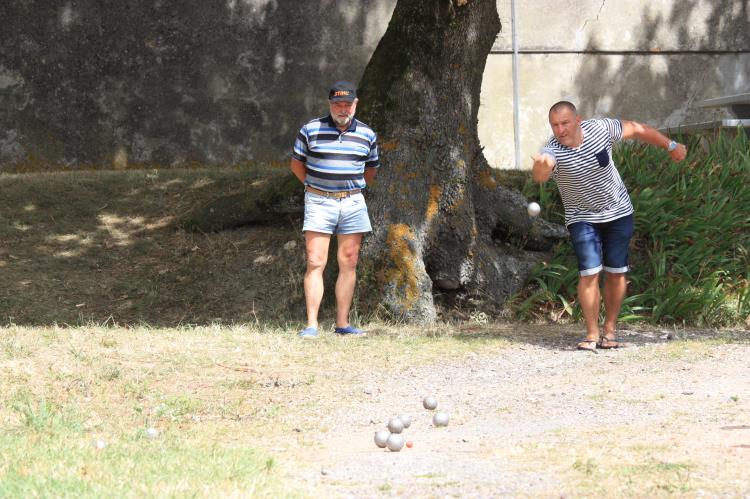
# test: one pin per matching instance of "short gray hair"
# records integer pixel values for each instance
(563, 104)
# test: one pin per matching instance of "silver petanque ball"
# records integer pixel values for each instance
(381, 437)
(429, 403)
(440, 419)
(395, 442)
(395, 425)
(405, 420)
(533, 208)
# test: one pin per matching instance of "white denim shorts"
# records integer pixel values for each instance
(336, 216)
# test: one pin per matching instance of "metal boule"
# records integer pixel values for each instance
(395, 442)
(395, 425)
(440, 419)
(405, 420)
(429, 403)
(381, 437)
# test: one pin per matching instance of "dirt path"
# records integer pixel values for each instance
(662, 418)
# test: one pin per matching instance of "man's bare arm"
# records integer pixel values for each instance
(298, 168)
(650, 135)
(370, 174)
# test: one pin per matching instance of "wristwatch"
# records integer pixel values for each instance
(672, 146)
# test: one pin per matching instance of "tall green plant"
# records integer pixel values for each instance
(689, 253)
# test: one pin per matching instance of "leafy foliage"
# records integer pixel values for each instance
(689, 255)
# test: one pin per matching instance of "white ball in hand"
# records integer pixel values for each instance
(533, 209)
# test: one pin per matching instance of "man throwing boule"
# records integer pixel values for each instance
(598, 211)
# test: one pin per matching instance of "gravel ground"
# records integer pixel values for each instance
(521, 420)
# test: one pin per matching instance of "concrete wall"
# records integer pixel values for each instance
(649, 61)
(172, 81)
(169, 82)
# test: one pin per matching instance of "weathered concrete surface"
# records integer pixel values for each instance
(168, 82)
(643, 60)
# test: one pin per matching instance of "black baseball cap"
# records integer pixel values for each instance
(342, 90)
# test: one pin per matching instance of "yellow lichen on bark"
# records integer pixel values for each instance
(389, 146)
(402, 273)
(433, 203)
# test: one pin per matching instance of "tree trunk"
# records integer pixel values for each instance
(442, 221)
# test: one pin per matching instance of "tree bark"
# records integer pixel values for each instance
(442, 221)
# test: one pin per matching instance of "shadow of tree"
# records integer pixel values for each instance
(81, 247)
(172, 82)
(644, 86)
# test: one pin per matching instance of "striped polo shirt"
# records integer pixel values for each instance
(590, 185)
(336, 160)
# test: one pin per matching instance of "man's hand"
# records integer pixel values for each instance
(541, 170)
(679, 153)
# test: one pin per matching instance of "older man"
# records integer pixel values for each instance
(334, 157)
(598, 211)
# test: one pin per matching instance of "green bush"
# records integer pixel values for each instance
(689, 254)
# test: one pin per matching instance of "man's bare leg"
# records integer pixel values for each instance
(347, 256)
(615, 287)
(589, 298)
(316, 248)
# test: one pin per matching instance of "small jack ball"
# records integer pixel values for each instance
(533, 208)
(409, 444)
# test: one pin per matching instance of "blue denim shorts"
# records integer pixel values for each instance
(336, 216)
(602, 245)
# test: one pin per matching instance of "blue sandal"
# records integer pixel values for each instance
(349, 330)
(308, 332)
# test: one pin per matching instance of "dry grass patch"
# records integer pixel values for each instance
(236, 393)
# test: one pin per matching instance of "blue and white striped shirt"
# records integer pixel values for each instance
(336, 160)
(590, 185)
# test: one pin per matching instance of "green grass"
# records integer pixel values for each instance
(50, 451)
(56, 463)
(689, 254)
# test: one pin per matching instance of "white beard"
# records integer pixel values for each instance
(343, 121)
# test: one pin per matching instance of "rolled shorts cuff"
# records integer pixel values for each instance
(593, 271)
(619, 270)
